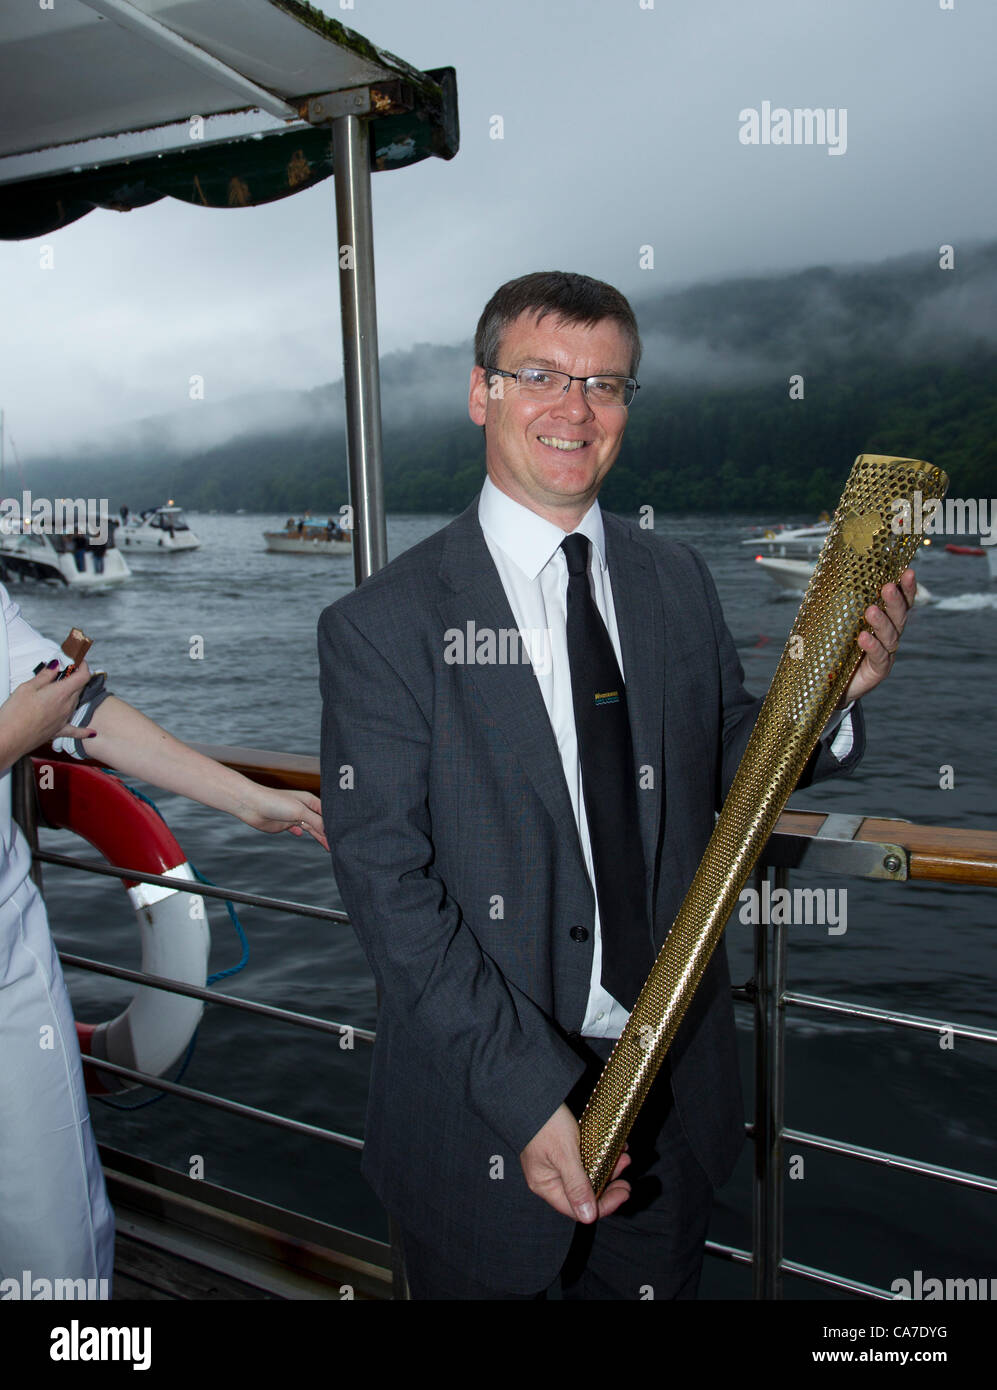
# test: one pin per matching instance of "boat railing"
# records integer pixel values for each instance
(877, 849)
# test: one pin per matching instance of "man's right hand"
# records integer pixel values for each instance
(553, 1169)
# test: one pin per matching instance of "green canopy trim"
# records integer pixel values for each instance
(417, 122)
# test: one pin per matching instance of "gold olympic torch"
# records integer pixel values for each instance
(871, 543)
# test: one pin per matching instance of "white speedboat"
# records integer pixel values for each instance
(61, 559)
(165, 528)
(784, 542)
(794, 576)
(308, 538)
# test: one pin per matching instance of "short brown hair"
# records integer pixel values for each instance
(570, 297)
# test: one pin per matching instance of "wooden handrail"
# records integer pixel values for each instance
(943, 854)
(268, 768)
(947, 854)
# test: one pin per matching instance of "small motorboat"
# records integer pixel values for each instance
(794, 576)
(308, 537)
(77, 560)
(162, 528)
(785, 542)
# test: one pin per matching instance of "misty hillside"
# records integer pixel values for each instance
(899, 357)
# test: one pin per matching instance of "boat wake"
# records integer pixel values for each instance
(966, 603)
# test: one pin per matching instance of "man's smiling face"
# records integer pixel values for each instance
(551, 456)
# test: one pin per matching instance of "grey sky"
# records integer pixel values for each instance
(621, 130)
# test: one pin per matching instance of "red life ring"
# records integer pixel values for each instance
(154, 1030)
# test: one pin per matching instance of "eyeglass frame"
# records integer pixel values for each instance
(594, 376)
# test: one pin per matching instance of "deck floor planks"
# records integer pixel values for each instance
(142, 1271)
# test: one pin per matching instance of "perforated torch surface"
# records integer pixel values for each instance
(861, 554)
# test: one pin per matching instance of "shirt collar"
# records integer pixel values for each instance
(528, 539)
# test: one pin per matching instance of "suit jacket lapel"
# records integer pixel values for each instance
(510, 690)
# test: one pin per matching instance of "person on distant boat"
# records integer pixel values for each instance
(521, 822)
(55, 1219)
(98, 549)
(124, 516)
(291, 524)
(81, 545)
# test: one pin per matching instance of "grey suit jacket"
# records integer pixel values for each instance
(457, 856)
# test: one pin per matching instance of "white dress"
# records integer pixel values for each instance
(55, 1219)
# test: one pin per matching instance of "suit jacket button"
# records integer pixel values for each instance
(579, 934)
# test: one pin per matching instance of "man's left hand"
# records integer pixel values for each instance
(880, 645)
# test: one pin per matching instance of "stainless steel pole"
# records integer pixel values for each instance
(25, 811)
(777, 1058)
(362, 386)
(351, 165)
(763, 1108)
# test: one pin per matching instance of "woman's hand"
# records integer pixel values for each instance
(131, 743)
(39, 711)
(272, 810)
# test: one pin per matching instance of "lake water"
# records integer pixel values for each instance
(917, 948)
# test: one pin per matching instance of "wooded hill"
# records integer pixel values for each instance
(899, 357)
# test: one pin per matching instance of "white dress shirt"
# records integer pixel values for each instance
(534, 573)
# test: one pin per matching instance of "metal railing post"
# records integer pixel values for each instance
(777, 1096)
(361, 380)
(362, 388)
(763, 1114)
(24, 808)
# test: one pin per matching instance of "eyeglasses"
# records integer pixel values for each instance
(543, 385)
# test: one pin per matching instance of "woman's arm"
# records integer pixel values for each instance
(40, 708)
(133, 744)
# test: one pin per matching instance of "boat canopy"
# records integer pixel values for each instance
(118, 103)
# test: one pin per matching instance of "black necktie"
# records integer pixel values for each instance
(605, 753)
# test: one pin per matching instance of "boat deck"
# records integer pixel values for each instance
(146, 1272)
(180, 1239)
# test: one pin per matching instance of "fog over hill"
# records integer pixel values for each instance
(900, 351)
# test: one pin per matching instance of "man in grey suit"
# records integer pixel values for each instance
(478, 862)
